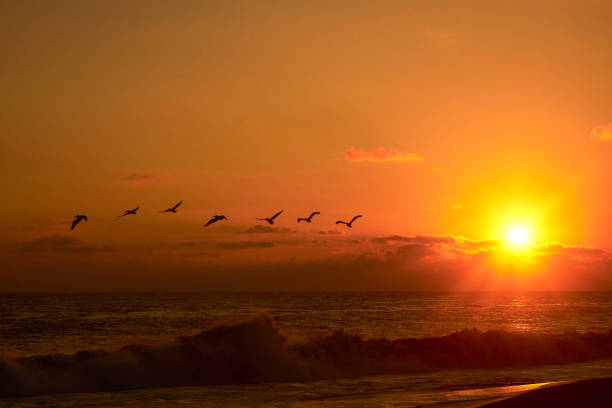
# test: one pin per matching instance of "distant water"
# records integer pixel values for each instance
(299, 349)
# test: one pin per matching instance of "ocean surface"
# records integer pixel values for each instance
(296, 349)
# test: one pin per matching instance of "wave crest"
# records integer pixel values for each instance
(256, 351)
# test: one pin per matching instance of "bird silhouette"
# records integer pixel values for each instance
(214, 219)
(309, 218)
(172, 209)
(270, 220)
(350, 223)
(129, 212)
(77, 218)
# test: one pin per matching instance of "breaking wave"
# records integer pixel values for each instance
(256, 351)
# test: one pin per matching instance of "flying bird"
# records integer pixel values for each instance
(214, 219)
(270, 220)
(309, 219)
(77, 218)
(129, 212)
(350, 223)
(172, 209)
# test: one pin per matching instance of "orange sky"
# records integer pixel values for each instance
(431, 118)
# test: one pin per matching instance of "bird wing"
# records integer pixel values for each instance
(355, 217)
(215, 218)
(177, 205)
(84, 217)
(340, 222)
(136, 209)
(301, 219)
(276, 215)
(74, 223)
(314, 213)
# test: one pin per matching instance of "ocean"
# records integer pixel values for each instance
(296, 349)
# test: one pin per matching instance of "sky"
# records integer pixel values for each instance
(445, 123)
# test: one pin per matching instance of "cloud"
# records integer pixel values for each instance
(456, 207)
(602, 132)
(469, 246)
(186, 244)
(245, 245)
(415, 250)
(578, 251)
(139, 178)
(61, 243)
(420, 239)
(330, 232)
(575, 253)
(263, 229)
(380, 155)
(395, 262)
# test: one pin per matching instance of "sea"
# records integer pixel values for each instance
(354, 349)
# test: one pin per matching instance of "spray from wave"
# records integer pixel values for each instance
(256, 351)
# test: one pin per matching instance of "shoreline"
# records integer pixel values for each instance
(593, 393)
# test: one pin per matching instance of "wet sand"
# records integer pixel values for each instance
(592, 393)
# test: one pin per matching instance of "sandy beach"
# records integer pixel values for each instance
(584, 393)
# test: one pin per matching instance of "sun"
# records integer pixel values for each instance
(518, 235)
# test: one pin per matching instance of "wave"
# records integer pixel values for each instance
(256, 351)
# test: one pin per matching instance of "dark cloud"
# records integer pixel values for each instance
(245, 245)
(139, 177)
(330, 232)
(415, 250)
(263, 229)
(186, 244)
(60, 243)
(404, 263)
(420, 239)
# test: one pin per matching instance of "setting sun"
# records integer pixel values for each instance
(518, 236)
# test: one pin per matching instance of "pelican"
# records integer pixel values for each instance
(129, 212)
(270, 220)
(350, 223)
(77, 218)
(172, 209)
(214, 219)
(309, 219)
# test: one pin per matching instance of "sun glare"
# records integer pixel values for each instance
(518, 236)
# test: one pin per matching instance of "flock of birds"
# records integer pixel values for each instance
(270, 220)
